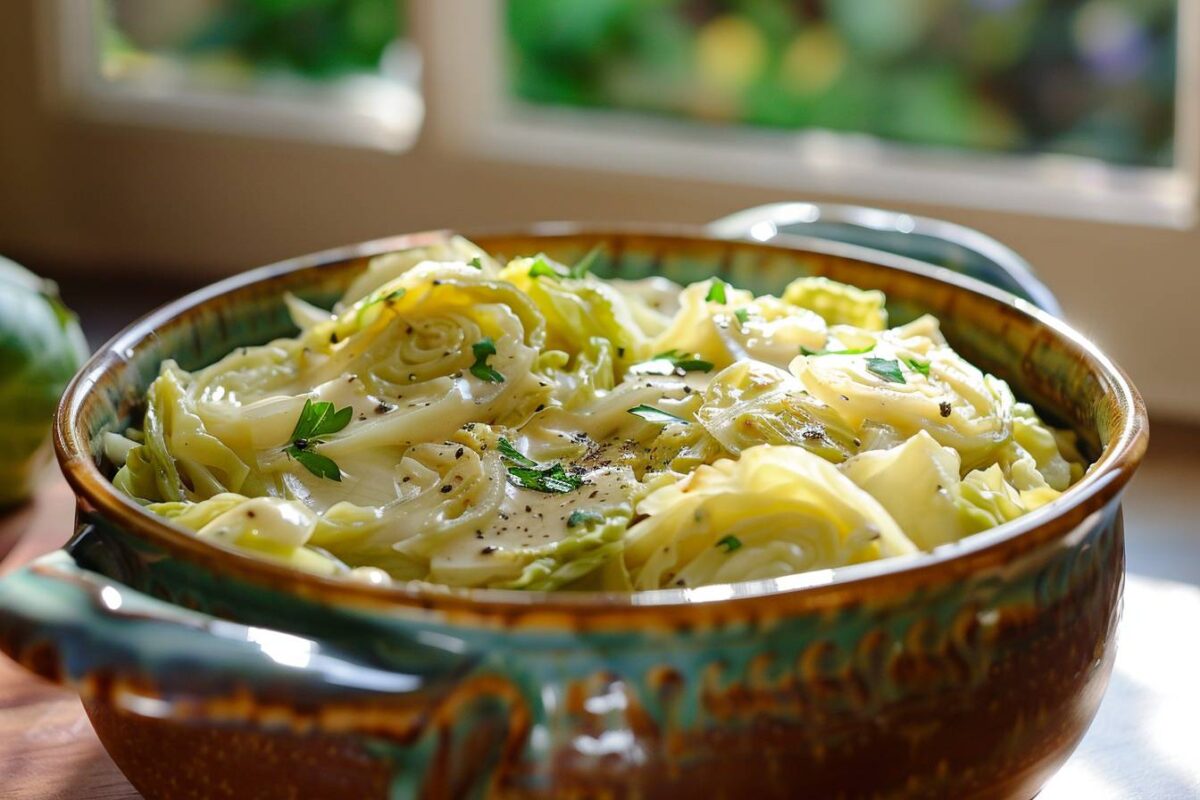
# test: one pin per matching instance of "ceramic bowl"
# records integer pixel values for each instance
(968, 672)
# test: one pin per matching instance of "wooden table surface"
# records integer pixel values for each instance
(1141, 746)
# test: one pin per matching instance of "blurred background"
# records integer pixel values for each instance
(147, 147)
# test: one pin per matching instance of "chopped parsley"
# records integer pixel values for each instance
(853, 351)
(918, 365)
(317, 420)
(508, 451)
(552, 479)
(886, 368)
(317, 464)
(541, 268)
(582, 517)
(716, 292)
(670, 361)
(484, 349)
(652, 414)
(525, 472)
(730, 543)
(390, 297)
(584, 265)
(476, 262)
(743, 315)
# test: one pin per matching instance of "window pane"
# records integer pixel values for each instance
(318, 70)
(229, 41)
(1085, 77)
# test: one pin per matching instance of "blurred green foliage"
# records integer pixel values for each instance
(1086, 77)
(313, 38)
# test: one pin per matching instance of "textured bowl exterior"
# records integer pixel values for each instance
(970, 672)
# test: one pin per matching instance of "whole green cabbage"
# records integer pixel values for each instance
(41, 347)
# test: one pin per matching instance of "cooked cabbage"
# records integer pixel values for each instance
(774, 511)
(838, 303)
(532, 426)
(724, 325)
(908, 380)
(751, 403)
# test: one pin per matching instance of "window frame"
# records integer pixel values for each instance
(323, 115)
(476, 116)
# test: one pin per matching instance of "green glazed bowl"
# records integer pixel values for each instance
(972, 671)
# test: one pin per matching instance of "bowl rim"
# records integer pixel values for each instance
(817, 589)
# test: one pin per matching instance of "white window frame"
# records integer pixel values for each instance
(345, 112)
(475, 115)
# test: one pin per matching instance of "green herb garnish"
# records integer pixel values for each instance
(525, 472)
(853, 351)
(652, 414)
(730, 543)
(484, 349)
(676, 360)
(317, 420)
(540, 268)
(743, 315)
(581, 517)
(476, 262)
(886, 368)
(553, 479)
(317, 464)
(918, 366)
(390, 297)
(716, 292)
(510, 452)
(584, 265)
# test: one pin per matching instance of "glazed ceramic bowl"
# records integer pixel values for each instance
(971, 671)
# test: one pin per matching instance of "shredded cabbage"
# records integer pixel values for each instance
(532, 426)
(774, 511)
(838, 303)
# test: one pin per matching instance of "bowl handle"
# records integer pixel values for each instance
(156, 659)
(933, 241)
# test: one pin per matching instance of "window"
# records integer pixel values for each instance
(1086, 108)
(1091, 78)
(339, 71)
